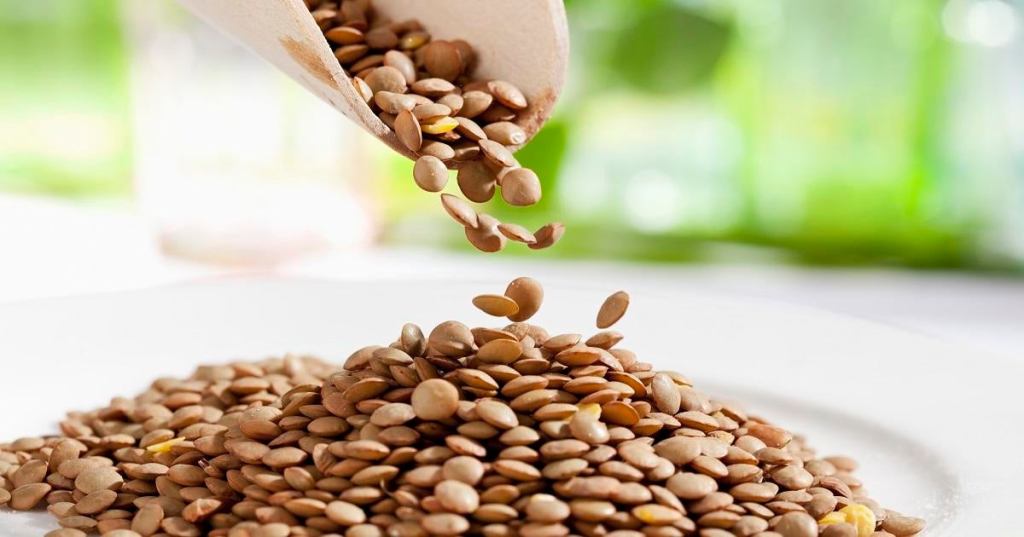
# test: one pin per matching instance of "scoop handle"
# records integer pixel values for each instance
(525, 42)
(283, 33)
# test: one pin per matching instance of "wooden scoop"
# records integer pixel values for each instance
(525, 42)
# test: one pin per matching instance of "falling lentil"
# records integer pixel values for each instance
(424, 90)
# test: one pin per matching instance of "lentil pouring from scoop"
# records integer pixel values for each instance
(423, 89)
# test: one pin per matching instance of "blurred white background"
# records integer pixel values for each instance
(875, 169)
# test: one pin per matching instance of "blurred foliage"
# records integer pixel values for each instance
(64, 100)
(668, 61)
(841, 148)
(842, 132)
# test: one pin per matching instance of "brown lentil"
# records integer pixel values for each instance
(424, 90)
(476, 181)
(430, 173)
(613, 309)
(459, 210)
(900, 525)
(408, 131)
(520, 187)
(796, 524)
(435, 399)
(547, 235)
(28, 496)
(496, 305)
(528, 294)
(492, 431)
(485, 236)
(66, 532)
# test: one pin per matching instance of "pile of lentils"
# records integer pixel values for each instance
(424, 91)
(498, 432)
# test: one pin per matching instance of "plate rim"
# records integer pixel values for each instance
(951, 349)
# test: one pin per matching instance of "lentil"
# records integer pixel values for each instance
(435, 399)
(520, 187)
(430, 173)
(613, 309)
(424, 90)
(493, 431)
(547, 235)
(496, 305)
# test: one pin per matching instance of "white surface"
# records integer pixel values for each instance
(927, 420)
(51, 248)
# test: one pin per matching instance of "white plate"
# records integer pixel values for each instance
(935, 428)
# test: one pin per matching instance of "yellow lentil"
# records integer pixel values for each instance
(441, 126)
(164, 447)
(860, 516)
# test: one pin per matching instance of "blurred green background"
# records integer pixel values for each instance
(839, 132)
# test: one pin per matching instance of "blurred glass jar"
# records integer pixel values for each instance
(235, 163)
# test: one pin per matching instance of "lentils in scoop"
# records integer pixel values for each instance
(492, 431)
(423, 89)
